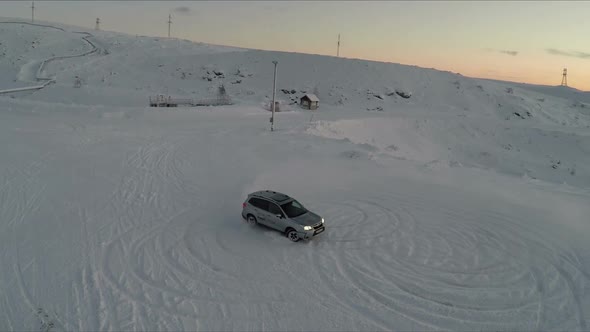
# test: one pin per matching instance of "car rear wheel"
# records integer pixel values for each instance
(250, 219)
(292, 235)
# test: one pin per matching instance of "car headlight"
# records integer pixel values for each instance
(322, 220)
(307, 228)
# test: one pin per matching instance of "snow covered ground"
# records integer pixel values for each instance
(464, 207)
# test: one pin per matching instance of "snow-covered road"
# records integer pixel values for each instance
(33, 70)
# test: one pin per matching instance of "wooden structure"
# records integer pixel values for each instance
(167, 101)
(309, 101)
(163, 101)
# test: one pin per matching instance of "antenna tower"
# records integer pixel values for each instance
(33, 11)
(169, 23)
(97, 26)
(564, 77)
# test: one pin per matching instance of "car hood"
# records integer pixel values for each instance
(307, 219)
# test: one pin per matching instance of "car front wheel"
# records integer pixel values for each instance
(292, 235)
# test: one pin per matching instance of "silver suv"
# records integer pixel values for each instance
(282, 213)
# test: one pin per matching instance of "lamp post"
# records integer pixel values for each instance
(274, 87)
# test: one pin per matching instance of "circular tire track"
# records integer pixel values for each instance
(152, 263)
(476, 270)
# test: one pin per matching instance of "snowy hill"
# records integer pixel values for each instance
(463, 207)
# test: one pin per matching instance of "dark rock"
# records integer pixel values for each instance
(403, 94)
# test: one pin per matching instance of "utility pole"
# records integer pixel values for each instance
(274, 88)
(169, 23)
(97, 27)
(338, 49)
(33, 12)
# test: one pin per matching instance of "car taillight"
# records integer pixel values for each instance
(244, 205)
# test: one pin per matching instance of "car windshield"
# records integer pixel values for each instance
(293, 209)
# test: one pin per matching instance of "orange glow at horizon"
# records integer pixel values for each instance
(504, 40)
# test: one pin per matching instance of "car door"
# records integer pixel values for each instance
(275, 216)
(261, 210)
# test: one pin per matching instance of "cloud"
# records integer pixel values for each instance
(557, 52)
(575, 54)
(513, 53)
(183, 10)
(508, 52)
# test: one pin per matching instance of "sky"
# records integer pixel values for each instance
(521, 41)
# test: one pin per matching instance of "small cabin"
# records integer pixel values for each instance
(309, 101)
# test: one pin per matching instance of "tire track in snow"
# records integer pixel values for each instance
(137, 191)
(382, 226)
(462, 274)
(137, 262)
(135, 283)
(47, 322)
(573, 290)
(90, 293)
(426, 290)
(21, 192)
(121, 201)
(128, 285)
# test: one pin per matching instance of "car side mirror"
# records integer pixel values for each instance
(280, 216)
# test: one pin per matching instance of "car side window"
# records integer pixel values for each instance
(259, 203)
(274, 209)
